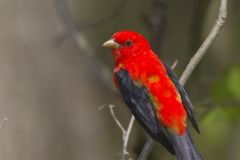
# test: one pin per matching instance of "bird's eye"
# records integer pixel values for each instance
(128, 43)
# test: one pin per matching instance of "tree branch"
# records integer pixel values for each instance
(222, 15)
(125, 132)
(127, 135)
(117, 121)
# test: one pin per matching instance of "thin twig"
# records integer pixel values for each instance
(125, 132)
(222, 15)
(126, 137)
(117, 121)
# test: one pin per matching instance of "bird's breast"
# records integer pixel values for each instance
(162, 92)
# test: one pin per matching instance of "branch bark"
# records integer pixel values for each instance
(222, 15)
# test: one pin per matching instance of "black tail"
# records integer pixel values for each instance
(184, 147)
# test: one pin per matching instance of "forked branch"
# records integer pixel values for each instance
(125, 132)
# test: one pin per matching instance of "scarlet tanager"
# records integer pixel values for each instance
(153, 94)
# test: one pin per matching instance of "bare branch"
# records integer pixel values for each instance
(116, 120)
(222, 15)
(125, 133)
(126, 137)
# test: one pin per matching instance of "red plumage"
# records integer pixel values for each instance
(152, 93)
(146, 69)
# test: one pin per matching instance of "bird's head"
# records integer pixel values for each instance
(127, 43)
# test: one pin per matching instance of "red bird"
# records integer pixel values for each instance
(153, 94)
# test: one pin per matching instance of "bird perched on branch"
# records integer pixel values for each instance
(153, 94)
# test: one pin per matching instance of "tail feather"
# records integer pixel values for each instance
(184, 147)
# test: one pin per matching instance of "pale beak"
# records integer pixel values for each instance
(111, 44)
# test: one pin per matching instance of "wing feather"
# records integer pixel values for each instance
(138, 101)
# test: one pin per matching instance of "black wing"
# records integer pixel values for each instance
(185, 99)
(137, 100)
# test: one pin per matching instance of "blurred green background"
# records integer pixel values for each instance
(51, 87)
